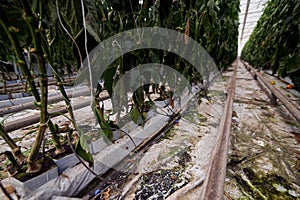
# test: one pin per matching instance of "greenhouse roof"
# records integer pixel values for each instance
(251, 10)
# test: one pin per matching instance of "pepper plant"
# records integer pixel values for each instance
(213, 23)
(24, 26)
(49, 28)
(275, 41)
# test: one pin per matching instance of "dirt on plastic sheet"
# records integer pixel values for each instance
(263, 160)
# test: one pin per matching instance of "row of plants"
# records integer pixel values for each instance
(62, 55)
(24, 27)
(214, 24)
(48, 30)
(275, 41)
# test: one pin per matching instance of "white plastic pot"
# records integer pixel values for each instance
(65, 162)
(27, 187)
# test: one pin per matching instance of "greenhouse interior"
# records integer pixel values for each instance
(150, 99)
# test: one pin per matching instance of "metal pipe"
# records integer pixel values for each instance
(245, 19)
(28, 105)
(293, 109)
(214, 182)
(21, 123)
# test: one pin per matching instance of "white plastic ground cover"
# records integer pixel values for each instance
(76, 178)
(192, 135)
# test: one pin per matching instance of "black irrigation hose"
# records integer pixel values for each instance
(116, 129)
(82, 162)
(168, 106)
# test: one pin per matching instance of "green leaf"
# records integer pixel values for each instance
(108, 79)
(134, 114)
(106, 129)
(92, 19)
(81, 150)
(291, 63)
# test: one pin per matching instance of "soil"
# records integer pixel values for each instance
(46, 164)
(46, 161)
(162, 183)
(67, 150)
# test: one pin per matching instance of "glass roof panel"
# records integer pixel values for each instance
(251, 10)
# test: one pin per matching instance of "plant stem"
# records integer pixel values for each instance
(4, 82)
(58, 80)
(21, 60)
(15, 148)
(12, 159)
(36, 38)
(55, 138)
(100, 116)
